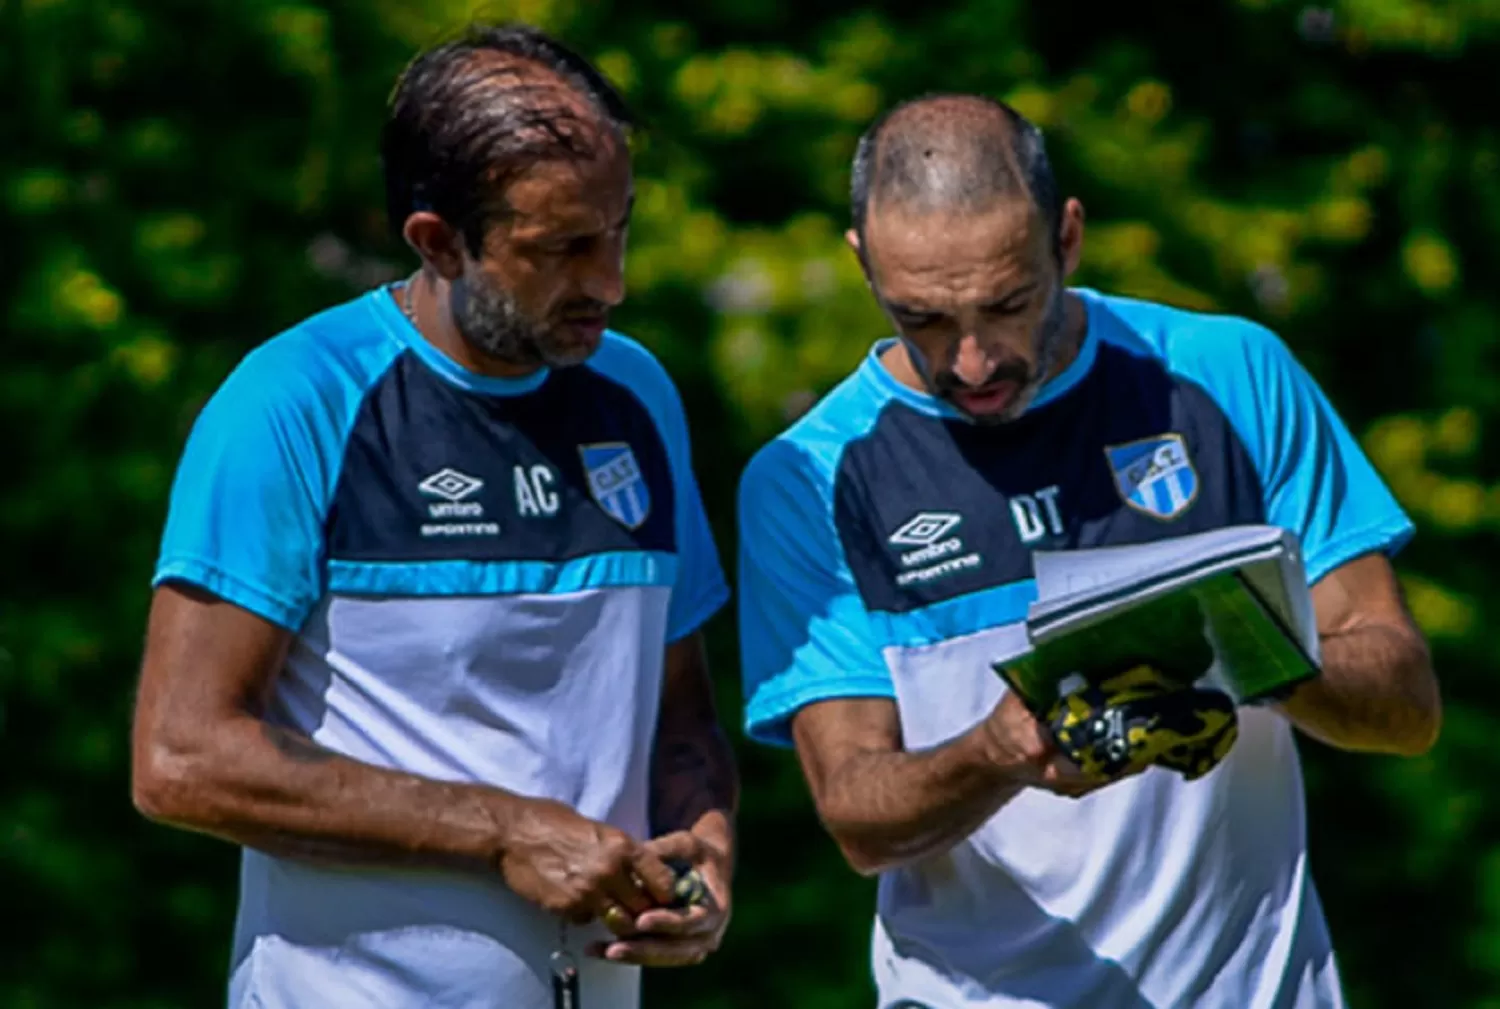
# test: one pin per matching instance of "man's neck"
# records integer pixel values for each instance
(425, 300)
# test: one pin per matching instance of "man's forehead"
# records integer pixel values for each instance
(571, 191)
(1009, 237)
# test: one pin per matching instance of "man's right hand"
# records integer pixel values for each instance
(205, 759)
(581, 869)
(1022, 743)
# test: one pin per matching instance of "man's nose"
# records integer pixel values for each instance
(601, 273)
(972, 363)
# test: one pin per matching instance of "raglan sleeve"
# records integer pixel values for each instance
(245, 516)
(805, 635)
(1316, 480)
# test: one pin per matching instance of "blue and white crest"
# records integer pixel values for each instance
(616, 483)
(1155, 475)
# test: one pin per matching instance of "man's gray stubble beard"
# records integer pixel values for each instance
(490, 320)
(1049, 346)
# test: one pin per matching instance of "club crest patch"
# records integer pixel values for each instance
(1155, 476)
(616, 483)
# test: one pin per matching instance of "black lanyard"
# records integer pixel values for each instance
(564, 973)
(690, 889)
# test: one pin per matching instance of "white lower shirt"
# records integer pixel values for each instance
(1151, 893)
(417, 685)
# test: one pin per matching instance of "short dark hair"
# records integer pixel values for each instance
(894, 159)
(461, 121)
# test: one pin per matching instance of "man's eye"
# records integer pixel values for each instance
(1007, 307)
(917, 321)
(568, 246)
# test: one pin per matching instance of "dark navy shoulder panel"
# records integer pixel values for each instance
(435, 472)
(930, 508)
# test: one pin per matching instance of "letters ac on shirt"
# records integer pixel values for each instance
(574, 469)
(481, 576)
(348, 456)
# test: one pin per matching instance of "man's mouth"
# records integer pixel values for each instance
(588, 325)
(988, 399)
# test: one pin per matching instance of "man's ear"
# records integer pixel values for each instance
(439, 245)
(852, 238)
(1070, 236)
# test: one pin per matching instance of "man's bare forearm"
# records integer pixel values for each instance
(889, 808)
(694, 783)
(1376, 693)
(273, 789)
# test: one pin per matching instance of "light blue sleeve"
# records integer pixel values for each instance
(700, 590)
(245, 520)
(1316, 480)
(805, 635)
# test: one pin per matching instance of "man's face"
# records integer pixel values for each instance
(978, 301)
(550, 270)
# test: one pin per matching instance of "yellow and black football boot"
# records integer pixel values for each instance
(1139, 718)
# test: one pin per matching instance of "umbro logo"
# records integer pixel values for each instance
(924, 529)
(938, 553)
(453, 487)
(450, 484)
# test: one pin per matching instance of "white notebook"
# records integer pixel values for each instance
(1228, 607)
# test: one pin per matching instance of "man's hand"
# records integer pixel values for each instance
(1020, 742)
(581, 869)
(694, 794)
(677, 937)
(887, 806)
(205, 759)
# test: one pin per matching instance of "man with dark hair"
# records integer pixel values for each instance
(424, 638)
(885, 568)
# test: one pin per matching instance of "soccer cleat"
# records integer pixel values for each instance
(1140, 718)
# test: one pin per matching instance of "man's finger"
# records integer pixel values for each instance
(657, 881)
(621, 889)
(618, 920)
(653, 952)
(680, 845)
(697, 920)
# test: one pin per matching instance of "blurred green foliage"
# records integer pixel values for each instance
(180, 180)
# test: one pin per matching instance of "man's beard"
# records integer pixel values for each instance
(492, 321)
(1050, 337)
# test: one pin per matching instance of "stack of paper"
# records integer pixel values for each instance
(1229, 608)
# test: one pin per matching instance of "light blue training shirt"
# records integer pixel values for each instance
(482, 575)
(885, 552)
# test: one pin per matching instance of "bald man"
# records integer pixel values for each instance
(424, 639)
(885, 543)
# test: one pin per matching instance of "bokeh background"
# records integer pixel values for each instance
(180, 179)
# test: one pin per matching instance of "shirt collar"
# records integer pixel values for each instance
(383, 302)
(1053, 389)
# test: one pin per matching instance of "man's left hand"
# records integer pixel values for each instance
(676, 937)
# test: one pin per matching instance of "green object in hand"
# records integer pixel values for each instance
(689, 888)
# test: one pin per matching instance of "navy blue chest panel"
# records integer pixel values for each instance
(432, 472)
(928, 509)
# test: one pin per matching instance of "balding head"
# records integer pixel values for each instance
(951, 154)
(967, 248)
(473, 113)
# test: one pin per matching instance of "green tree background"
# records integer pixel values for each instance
(180, 180)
